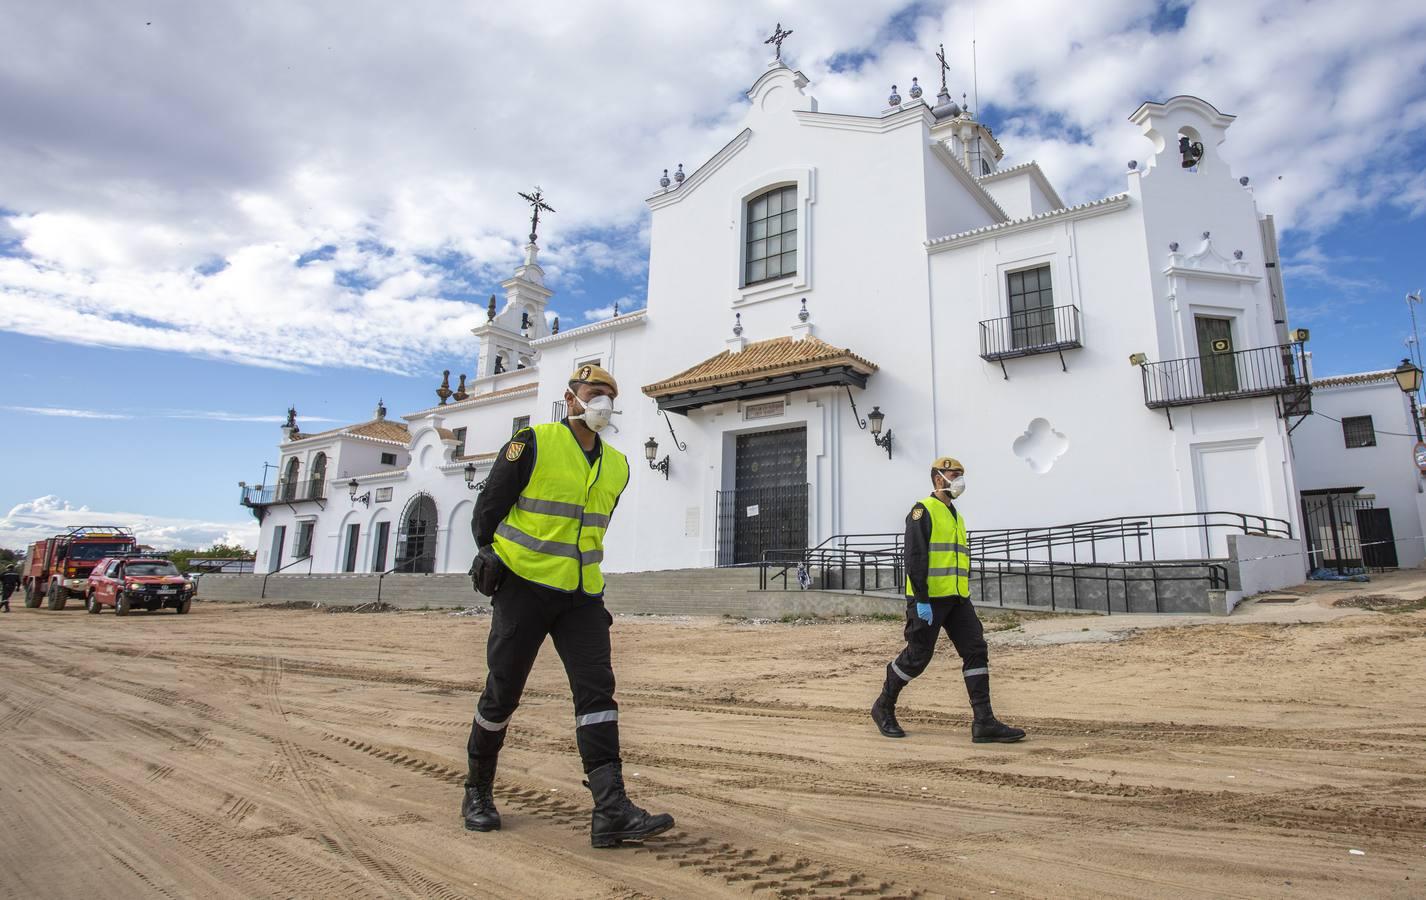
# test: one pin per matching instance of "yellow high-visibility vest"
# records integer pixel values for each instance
(948, 564)
(554, 534)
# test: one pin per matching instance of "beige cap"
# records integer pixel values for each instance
(947, 462)
(594, 375)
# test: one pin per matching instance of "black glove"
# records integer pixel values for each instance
(487, 572)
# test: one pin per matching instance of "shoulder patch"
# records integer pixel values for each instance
(514, 451)
(918, 512)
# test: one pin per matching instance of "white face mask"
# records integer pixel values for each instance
(953, 486)
(597, 413)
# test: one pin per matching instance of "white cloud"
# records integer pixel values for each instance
(221, 416)
(381, 146)
(46, 516)
(61, 412)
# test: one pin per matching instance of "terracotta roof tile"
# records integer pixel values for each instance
(761, 359)
(378, 429)
(1357, 378)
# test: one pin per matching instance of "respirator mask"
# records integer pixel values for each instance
(953, 486)
(597, 413)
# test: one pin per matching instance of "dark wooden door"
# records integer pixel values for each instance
(279, 537)
(768, 505)
(1217, 363)
(383, 538)
(1378, 540)
(353, 532)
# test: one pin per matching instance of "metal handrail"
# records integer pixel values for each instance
(301, 490)
(1230, 375)
(1041, 330)
(265, 577)
(405, 563)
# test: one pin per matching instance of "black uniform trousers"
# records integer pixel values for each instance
(956, 616)
(524, 613)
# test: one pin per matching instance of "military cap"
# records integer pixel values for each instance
(943, 463)
(594, 375)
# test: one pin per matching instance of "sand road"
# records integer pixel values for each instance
(244, 752)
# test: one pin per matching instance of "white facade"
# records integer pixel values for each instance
(1337, 457)
(901, 255)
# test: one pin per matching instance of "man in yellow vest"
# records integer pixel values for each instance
(938, 597)
(539, 525)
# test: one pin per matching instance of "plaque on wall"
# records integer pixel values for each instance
(383, 494)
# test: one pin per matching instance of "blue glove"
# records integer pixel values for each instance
(923, 612)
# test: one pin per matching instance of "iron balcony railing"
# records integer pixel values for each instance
(285, 492)
(1231, 375)
(558, 411)
(1043, 330)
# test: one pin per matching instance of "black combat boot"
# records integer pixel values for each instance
(987, 729)
(478, 809)
(616, 819)
(883, 711)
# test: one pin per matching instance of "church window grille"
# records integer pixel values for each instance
(460, 441)
(1032, 308)
(771, 235)
(304, 539)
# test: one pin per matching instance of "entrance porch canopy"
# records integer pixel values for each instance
(761, 369)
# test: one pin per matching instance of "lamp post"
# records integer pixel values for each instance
(1408, 378)
(651, 452)
(364, 499)
(470, 483)
(876, 417)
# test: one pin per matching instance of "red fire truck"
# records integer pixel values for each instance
(58, 568)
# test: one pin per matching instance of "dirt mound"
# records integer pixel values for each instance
(1383, 603)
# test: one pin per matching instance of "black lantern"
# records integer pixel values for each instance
(651, 452)
(1408, 378)
(364, 499)
(876, 417)
(470, 484)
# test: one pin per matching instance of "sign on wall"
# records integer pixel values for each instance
(764, 410)
(383, 494)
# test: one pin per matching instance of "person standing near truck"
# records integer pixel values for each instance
(9, 580)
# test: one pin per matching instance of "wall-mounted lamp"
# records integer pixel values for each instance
(876, 417)
(470, 483)
(1408, 378)
(1138, 359)
(1300, 335)
(364, 499)
(651, 452)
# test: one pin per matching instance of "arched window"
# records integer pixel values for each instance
(771, 235)
(416, 536)
(288, 487)
(318, 477)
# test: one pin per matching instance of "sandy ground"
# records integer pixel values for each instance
(243, 752)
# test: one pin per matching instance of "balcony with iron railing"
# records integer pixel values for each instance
(1030, 332)
(1279, 371)
(558, 411)
(302, 490)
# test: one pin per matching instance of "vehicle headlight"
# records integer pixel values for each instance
(188, 585)
(133, 585)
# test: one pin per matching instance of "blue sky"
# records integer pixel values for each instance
(207, 214)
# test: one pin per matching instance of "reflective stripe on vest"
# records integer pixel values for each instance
(948, 560)
(554, 534)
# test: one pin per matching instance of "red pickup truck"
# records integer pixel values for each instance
(138, 582)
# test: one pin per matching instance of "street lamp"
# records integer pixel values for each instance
(469, 472)
(1408, 378)
(651, 452)
(364, 499)
(876, 417)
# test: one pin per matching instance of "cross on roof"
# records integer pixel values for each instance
(537, 203)
(941, 57)
(778, 36)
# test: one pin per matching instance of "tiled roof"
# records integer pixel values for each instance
(1039, 217)
(762, 359)
(376, 429)
(1358, 378)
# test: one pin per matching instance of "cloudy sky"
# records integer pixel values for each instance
(208, 212)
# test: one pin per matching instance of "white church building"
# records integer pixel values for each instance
(836, 299)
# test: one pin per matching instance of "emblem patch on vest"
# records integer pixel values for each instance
(513, 451)
(917, 513)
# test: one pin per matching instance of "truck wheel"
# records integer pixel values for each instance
(57, 596)
(121, 605)
(91, 603)
(32, 597)
(182, 608)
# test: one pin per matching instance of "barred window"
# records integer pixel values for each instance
(1032, 308)
(1358, 431)
(388, 459)
(772, 235)
(460, 441)
(518, 423)
(304, 539)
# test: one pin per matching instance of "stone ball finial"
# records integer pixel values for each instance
(1133, 164)
(915, 89)
(663, 180)
(556, 329)
(1205, 235)
(803, 315)
(460, 393)
(444, 391)
(679, 176)
(1173, 246)
(738, 325)
(1237, 254)
(1243, 181)
(490, 309)
(894, 99)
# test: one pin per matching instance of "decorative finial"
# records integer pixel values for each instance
(663, 180)
(679, 176)
(915, 89)
(894, 99)
(1237, 254)
(490, 309)
(1133, 164)
(444, 391)
(1205, 235)
(499, 364)
(460, 393)
(1173, 246)
(941, 58)
(803, 315)
(778, 36)
(380, 411)
(738, 325)
(1243, 181)
(616, 309)
(965, 105)
(291, 418)
(556, 329)
(537, 203)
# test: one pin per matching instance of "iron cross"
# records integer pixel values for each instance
(941, 57)
(537, 203)
(778, 36)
